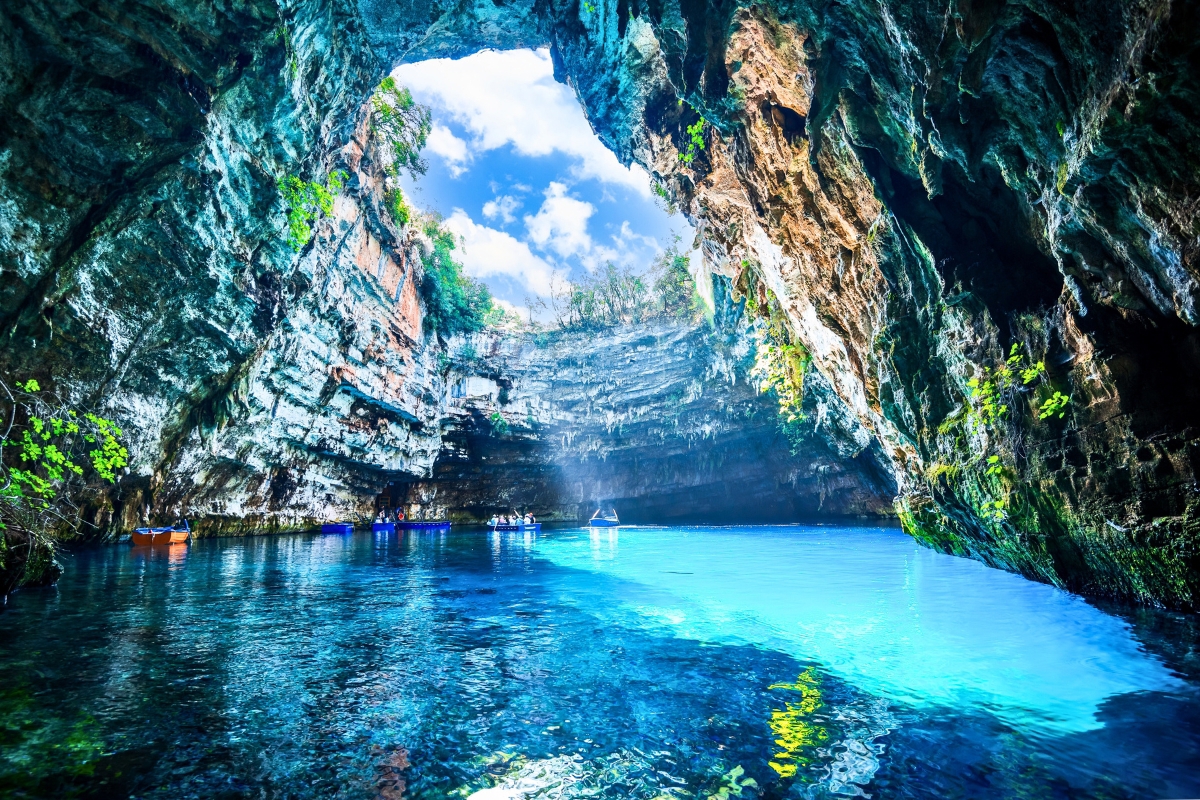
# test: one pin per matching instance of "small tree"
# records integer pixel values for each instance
(454, 301)
(50, 454)
(401, 126)
(674, 285)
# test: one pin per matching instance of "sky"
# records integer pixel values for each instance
(522, 180)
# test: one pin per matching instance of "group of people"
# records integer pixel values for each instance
(390, 515)
(512, 519)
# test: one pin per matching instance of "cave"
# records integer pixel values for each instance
(907, 471)
(1031, 191)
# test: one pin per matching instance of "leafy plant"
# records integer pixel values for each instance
(397, 206)
(47, 454)
(695, 133)
(499, 423)
(589, 7)
(994, 467)
(781, 368)
(995, 510)
(987, 392)
(612, 296)
(499, 317)
(674, 288)
(1054, 405)
(660, 191)
(454, 302)
(306, 201)
(402, 125)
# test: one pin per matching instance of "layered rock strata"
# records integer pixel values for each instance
(913, 187)
(661, 420)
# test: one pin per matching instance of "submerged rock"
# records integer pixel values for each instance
(913, 190)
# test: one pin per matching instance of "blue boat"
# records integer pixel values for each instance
(533, 526)
(602, 520)
(423, 525)
(383, 527)
(337, 527)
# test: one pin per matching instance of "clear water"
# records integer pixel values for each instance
(633, 663)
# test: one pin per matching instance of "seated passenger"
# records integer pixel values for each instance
(399, 515)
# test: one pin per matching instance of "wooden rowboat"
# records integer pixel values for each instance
(171, 535)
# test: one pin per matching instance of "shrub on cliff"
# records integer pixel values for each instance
(620, 296)
(454, 302)
(401, 128)
(49, 454)
(674, 286)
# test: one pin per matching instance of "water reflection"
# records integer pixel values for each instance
(750, 662)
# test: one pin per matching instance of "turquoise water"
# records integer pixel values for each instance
(631, 663)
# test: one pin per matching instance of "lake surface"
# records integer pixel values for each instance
(780, 662)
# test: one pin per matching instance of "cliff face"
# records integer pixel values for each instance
(661, 420)
(913, 187)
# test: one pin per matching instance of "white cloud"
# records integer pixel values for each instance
(444, 143)
(627, 234)
(512, 308)
(561, 223)
(489, 253)
(511, 97)
(503, 207)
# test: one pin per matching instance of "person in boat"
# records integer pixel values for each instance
(399, 515)
(494, 521)
(381, 516)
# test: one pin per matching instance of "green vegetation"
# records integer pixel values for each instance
(695, 141)
(780, 367)
(674, 287)
(402, 125)
(454, 302)
(619, 296)
(397, 206)
(306, 201)
(1054, 405)
(780, 363)
(589, 7)
(499, 423)
(991, 396)
(988, 393)
(48, 453)
(664, 197)
(611, 296)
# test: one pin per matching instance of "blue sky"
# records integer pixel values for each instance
(520, 177)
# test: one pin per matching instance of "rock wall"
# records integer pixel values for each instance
(915, 187)
(661, 419)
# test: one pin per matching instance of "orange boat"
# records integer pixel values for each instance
(171, 535)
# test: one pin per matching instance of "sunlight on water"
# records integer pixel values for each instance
(635, 664)
(876, 609)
